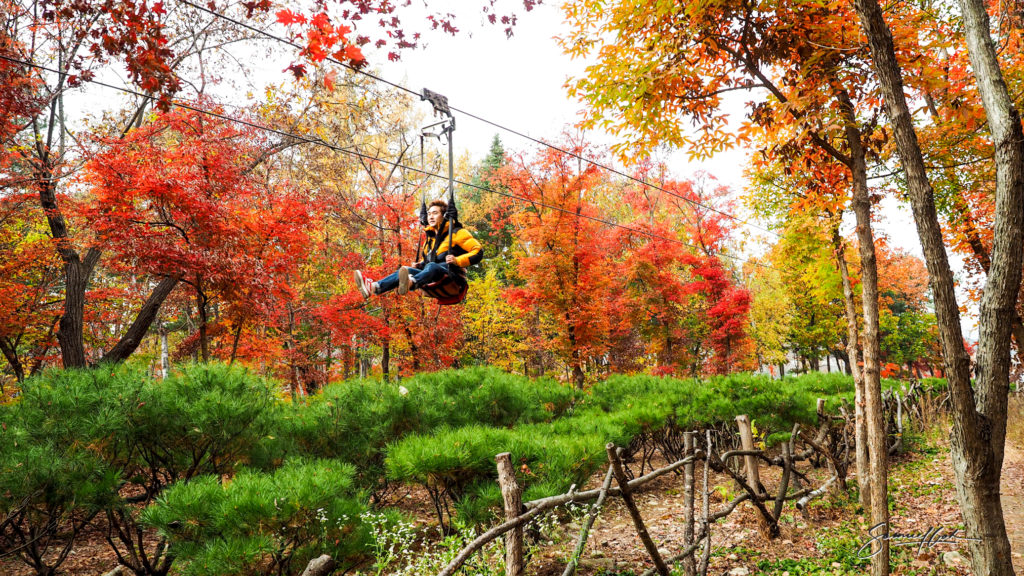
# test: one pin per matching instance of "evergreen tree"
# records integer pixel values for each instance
(490, 214)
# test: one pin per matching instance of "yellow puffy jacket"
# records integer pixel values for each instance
(466, 249)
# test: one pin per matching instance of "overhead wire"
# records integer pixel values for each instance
(348, 150)
(478, 118)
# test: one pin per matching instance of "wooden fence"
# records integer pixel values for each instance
(722, 449)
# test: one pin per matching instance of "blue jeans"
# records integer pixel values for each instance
(431, 273)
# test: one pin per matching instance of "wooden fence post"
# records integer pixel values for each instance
(702, 568)
(512, 495)
(689, 566)
(574, 560)
(750, 461)
(787, 464)
(638, 521)
(828, 443)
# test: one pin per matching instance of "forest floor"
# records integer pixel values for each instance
(823, 539)
(1013, 482)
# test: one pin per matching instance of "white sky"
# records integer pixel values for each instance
(517, 82)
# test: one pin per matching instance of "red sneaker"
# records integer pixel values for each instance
(365, 285)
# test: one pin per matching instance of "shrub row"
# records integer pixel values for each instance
(458, 463)
(104, 442)
(107, 442)
(355, 420)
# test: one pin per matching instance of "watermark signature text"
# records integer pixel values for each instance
(923, 540)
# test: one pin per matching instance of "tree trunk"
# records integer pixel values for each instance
(878, 453)
(978, 450)
(413, 349)
(860, 423)
(165, 353)
(140, 326)
(10, 353)
(981, 254)
(329, 355)
(201, 305)
(234, 341)
(979, 424)
(577, 361)
(72, 324)
(77, 271)
(843, 362)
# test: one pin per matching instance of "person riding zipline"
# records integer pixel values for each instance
(442, 257)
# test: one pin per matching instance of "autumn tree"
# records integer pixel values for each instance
(678, 62)
(178, 201)
(907, 325)
(771, 315)
(29, 287)
(495, 330)
(682, 294)
(570, 262)
(979, 411)
(667, 316)
(79, 39)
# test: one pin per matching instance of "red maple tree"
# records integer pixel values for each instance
(179, 199)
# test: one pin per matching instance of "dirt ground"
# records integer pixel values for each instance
(1012, 488)
(823, 539)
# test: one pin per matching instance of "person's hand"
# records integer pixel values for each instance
(450, 259)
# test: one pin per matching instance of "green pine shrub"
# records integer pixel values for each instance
(622, 390)
(48, 493)
(452, 458)
(119, 433)
(488, 396)
(263, 523)
(53, 476)
(86, 406)
(205, 419)
(355, 420)
(934, 384)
